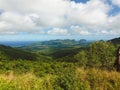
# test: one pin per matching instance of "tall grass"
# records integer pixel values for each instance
(26, 82)
(96, 79)
(84, 79)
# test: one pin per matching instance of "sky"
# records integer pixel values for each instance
(30, 20)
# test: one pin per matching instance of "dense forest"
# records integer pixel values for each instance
(60, 65)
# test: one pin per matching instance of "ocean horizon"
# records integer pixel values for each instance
(16, 43)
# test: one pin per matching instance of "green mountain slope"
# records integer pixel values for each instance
(115, 40)
(65, 52)
(13, 53)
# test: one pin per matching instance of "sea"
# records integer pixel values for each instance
(16, 43)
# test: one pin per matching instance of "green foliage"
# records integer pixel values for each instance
(68, 80)
(81, 58)
(101, 54)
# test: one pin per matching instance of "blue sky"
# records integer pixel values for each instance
(78, 1)
(30, 20)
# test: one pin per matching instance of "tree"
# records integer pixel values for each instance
(81, 58)
(101, 54)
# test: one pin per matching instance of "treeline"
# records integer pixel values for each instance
(98, 55)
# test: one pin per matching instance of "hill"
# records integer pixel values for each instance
(13, 53)
(115, 40)
(54, 45)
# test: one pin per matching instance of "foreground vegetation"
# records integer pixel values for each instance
(76, 68)
(82, 79)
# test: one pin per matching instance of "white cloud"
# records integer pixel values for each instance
(79, 30)
(114, 24)
(93, 12)
(58, 31)
(64, 16)
(17, 23)
(116, 2)
(50, 12)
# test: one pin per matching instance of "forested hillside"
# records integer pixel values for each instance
(13, 53)
(115, 40)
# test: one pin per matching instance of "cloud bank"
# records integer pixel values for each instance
(59, 17)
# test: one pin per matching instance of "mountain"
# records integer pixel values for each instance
(82, 41)
(115, 40)
(54, 45)
(13, 53)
